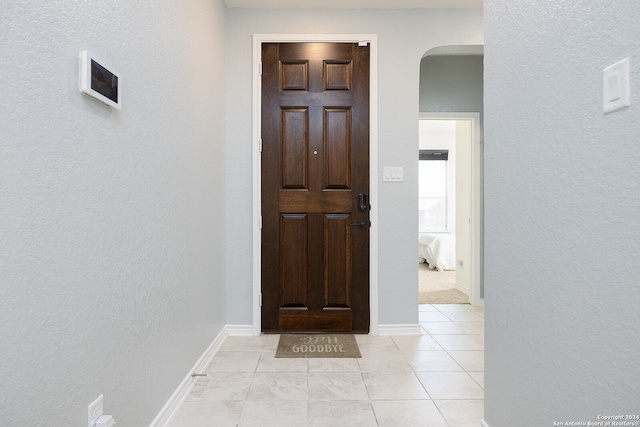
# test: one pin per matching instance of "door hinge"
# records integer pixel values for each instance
(260, 299)
(260, 222)
(260, 145)
(260, 68)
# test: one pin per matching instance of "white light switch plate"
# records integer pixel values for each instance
(392, 174)
(615, 87)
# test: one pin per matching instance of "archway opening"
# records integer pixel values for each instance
(450, 194)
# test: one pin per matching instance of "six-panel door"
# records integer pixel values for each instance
(315, 164)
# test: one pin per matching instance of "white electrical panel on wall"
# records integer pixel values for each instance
(98, 81)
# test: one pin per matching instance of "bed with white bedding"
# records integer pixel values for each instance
(438, 249)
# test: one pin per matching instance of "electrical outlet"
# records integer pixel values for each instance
(95, 410)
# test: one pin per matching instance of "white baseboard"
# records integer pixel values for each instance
(399, 329)
(170, 408)
(483, 423)
(240, 330)
(461, 289)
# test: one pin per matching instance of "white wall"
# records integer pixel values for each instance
(562, 196)
(451, 83)
(404, 36)
(112, 259)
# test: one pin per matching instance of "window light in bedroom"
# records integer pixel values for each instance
(433, 185)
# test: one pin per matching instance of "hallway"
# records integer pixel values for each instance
(434, 380)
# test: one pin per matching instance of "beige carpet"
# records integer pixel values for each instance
(438, 287)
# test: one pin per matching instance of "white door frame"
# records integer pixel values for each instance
(372, 39)
(476, 197)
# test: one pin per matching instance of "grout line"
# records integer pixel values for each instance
(395, 341)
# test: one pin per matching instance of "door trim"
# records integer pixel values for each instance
(258, 40)
(476, 197)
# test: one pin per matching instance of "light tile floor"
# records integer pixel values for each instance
(435, 379)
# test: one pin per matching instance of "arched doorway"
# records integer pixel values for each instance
(451, 96)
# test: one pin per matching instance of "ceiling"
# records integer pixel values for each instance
(354, 4)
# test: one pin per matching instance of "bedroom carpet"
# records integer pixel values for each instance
(438, 287)
(317, 345)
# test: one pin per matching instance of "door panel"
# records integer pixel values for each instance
(315, 162)
(337, 148)
(293, 256)
(294, 147)
(337, 242)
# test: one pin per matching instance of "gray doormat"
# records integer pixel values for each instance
(318, 345)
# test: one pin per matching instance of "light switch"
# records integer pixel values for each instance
(615, 87)
(392, 174)
(613, 83)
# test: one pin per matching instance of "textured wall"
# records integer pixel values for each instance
(111, 222)
(404, 37)
(451, 83)
(562, 196)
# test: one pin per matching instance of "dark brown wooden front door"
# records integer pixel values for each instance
(315, 187)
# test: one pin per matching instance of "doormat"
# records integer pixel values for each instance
(318, 346)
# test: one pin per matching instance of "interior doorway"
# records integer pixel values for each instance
(450, 200)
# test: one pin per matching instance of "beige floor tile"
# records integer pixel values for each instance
(234, 361)
(432, 316)
(243, 343)
(461, 413)
(271, 342)
(329, 386)
(341, 413)
(368, 343)
(273, 414)
(472, 327)
(458, 342)
(443, 328)
(278, 386)
(479, 338)
(432, 361)
(478, 376)
(269, 363)
(221, 386)
(333, 365)
(463, 316)
(453, 307)
(415, 413)
(394, 386)
(416, 343)
(478, 310)
(450, 385)
(208, 414)
(383, 361)
(469, 360)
